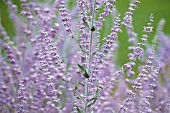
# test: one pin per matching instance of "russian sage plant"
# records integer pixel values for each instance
(59, 62)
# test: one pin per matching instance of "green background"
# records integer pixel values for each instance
(159, 8)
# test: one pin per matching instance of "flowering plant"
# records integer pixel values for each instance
(59, 62)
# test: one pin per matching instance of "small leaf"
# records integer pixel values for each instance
(85, 23)
(86, 74)
(83, 70)
(93, 28)
(96, 95)
(94, 98)
(81, 67)
(79, 111)
(97, 90)
(81, 84)
(76, 86)
(100, 87)
(92, 102)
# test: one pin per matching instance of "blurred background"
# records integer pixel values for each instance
(160, 9)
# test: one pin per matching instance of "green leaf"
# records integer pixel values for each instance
(92, 102)
(79, 111)
(80, 83)
(100, 87)
(76, 85)
(93, 28)
(94, 98)
(85, 23)
(61, 106)
(97, 90)
(83, 70)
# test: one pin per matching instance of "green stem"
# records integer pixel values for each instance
(90, 52)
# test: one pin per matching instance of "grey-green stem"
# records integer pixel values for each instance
(90, 52)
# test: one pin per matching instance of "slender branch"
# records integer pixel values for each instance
(90, 51)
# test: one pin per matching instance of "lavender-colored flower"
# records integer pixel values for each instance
(42, 70)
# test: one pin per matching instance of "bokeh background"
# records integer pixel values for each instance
(160, 9)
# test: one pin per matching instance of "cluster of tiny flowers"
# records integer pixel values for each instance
(59, 61)
(65, 16)
(129, 14)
